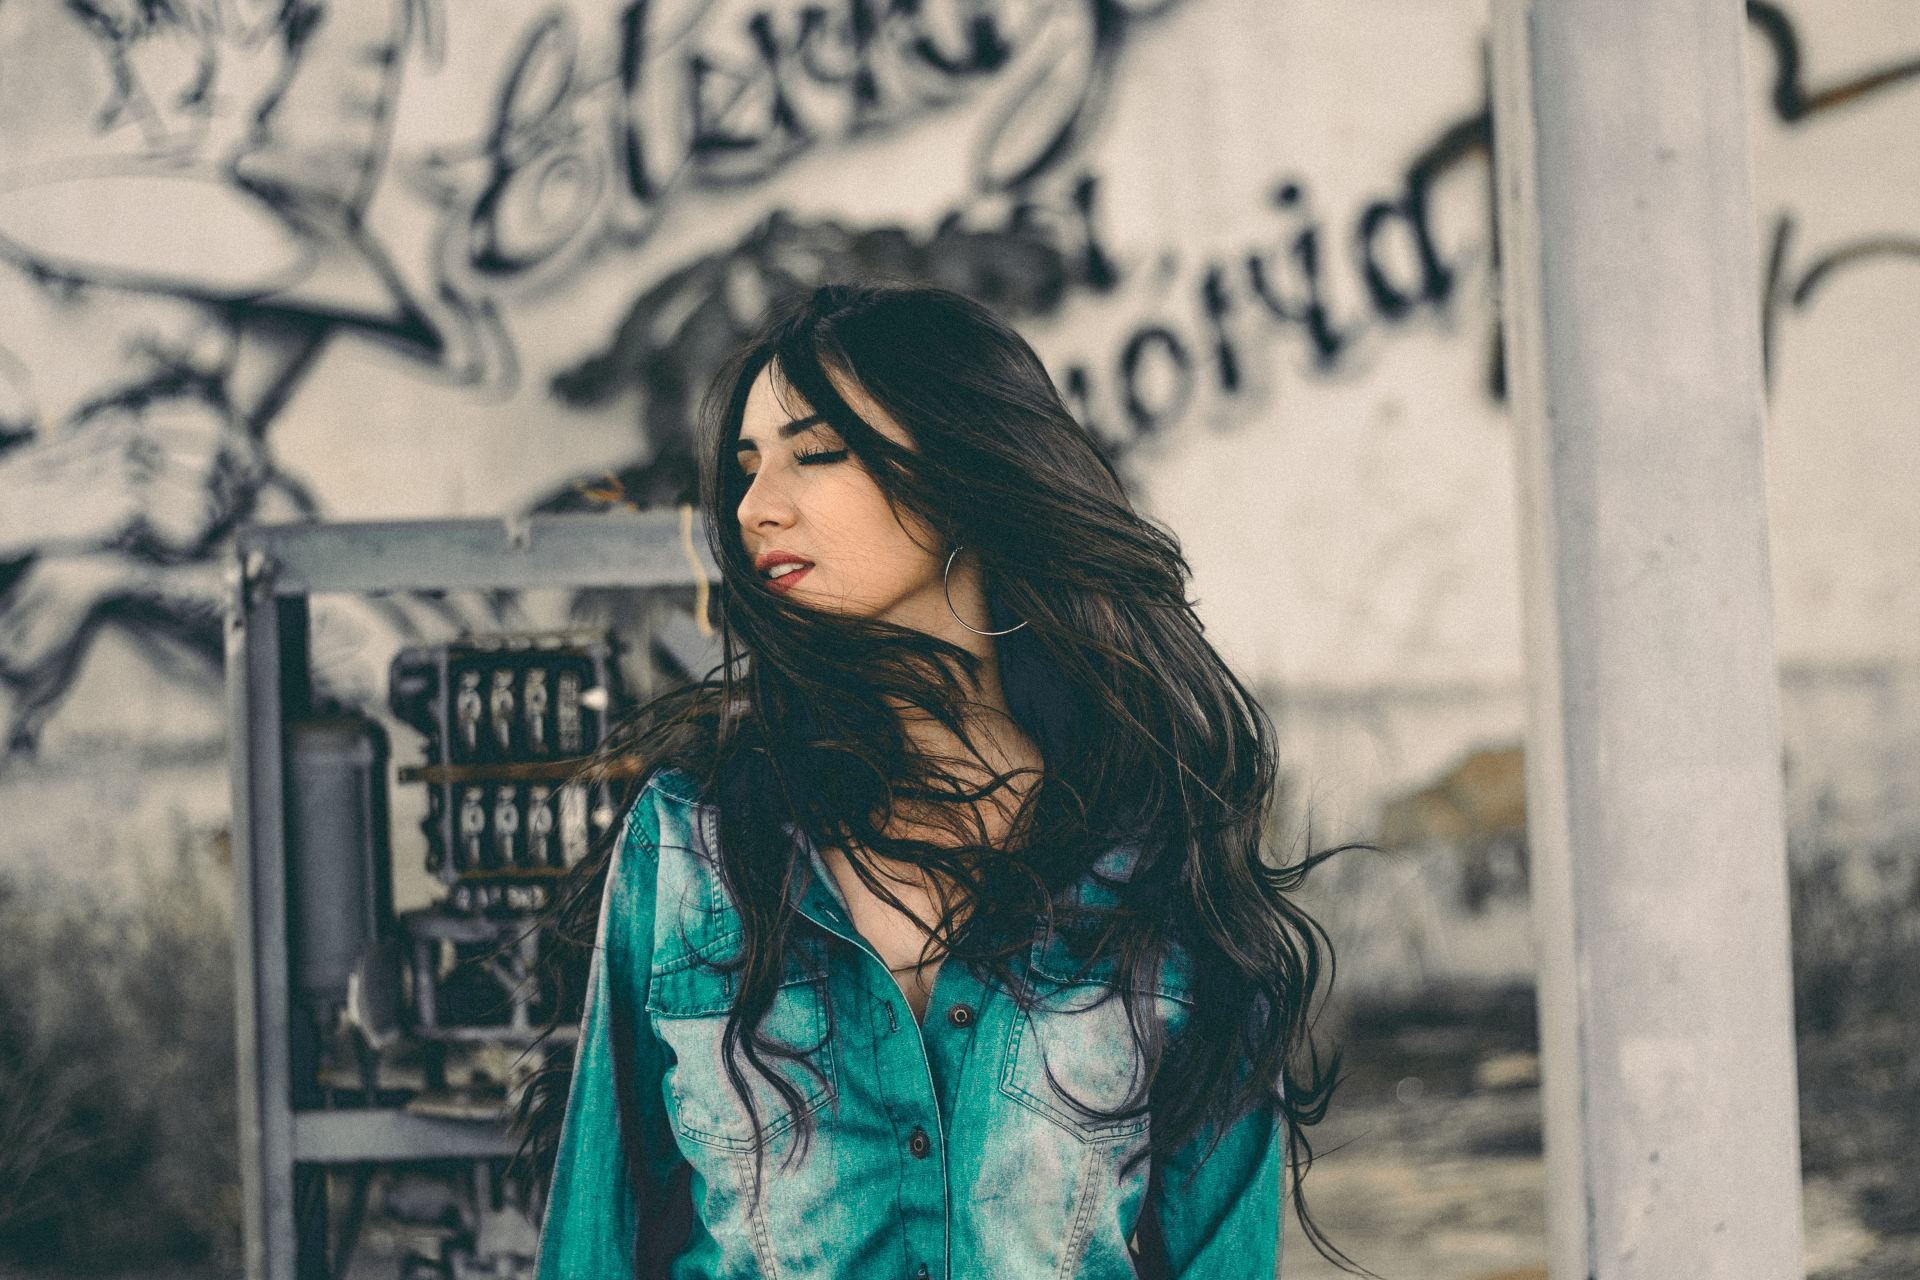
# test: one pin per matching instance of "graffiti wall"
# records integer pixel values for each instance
(266, 260)
(350, 258)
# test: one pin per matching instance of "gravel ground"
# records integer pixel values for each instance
(1429, 1161)
(1402, 1192)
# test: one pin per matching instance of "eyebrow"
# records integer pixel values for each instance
(787, 431)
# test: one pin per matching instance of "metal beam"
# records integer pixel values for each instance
(266, 643)
(616, 549)
(1655, 812)
(381, 1135)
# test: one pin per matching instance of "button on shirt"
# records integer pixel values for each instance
(937, 1150)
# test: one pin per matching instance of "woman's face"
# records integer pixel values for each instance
(808, 497)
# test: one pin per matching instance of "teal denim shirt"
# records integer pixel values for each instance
(942, 1151)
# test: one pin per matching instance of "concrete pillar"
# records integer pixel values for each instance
(1656, 820)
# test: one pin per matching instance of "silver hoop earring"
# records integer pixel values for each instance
(946, 583)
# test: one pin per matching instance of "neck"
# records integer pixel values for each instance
(993, 740)
(994, 744)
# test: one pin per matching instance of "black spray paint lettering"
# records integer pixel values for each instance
(1795, 103)
(1159, 369)
(718, 104)
(1154, 371)
(547, 173)
(1156, 378)
(1307, 307)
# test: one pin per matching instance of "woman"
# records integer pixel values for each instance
(938, 941)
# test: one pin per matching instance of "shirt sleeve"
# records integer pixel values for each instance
(1225, 1223)
(612, 1154)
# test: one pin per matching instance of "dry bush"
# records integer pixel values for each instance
(1856, 957)
(117, 1118)
(1856, 934)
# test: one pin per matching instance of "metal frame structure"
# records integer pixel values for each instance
(275, 571)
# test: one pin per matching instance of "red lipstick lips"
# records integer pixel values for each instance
(786, 581)
(767, 561)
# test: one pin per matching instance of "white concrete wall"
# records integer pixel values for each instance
(203, 319)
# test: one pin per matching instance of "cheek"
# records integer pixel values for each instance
(866, 516)
(888, 560)
(904, 545)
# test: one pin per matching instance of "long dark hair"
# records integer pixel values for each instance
(1144, 732)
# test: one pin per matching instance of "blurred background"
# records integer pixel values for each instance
(270, 260)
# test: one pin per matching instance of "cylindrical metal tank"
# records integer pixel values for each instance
(339, 882)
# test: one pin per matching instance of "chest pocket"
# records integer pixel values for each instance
(689, 1003)
(1075, 1050)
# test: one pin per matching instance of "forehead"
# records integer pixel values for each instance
(772, 401)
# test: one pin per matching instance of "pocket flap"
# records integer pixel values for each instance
(1062, 964)
(684, 983)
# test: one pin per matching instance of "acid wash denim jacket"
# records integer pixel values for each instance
(942, 1151)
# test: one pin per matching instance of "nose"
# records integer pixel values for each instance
(766, 507)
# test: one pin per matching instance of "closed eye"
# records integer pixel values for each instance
(817, 457)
